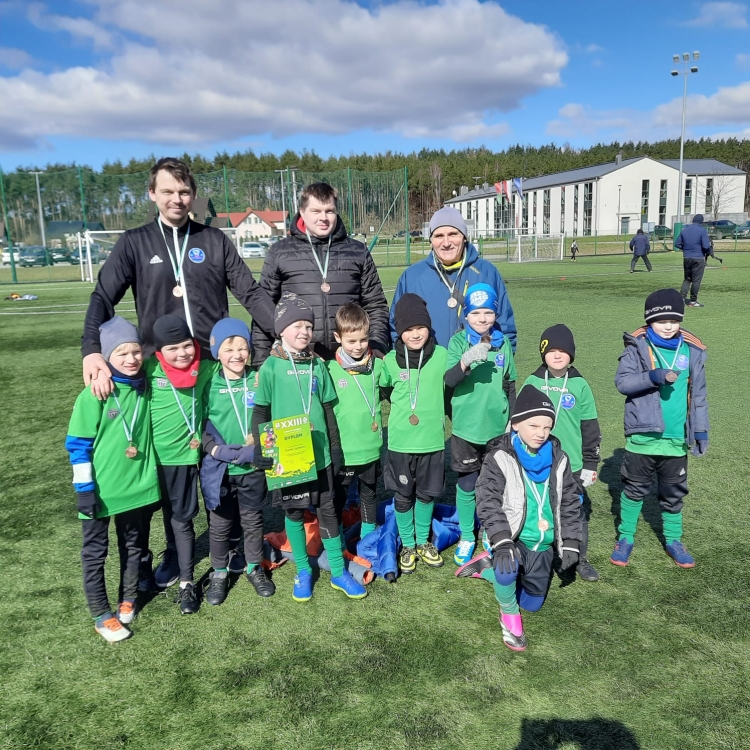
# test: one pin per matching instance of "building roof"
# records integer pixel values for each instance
(235, 217)
(271, 217)
(587, 174)
(59, 228)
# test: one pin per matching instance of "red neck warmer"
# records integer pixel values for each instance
(301, 225)
(182, 378)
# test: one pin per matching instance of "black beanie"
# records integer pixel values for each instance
(411, 310)
(531, 402)
(170, 329)
(664, 304)
(558, 337)
(291, 309)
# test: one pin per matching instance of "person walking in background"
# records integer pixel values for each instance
(640, 247)
(574, 250)
(695, 246)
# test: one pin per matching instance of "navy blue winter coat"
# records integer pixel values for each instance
(693, 241)
(640, 245)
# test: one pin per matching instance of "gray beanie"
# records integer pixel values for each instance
(115, 332)
(290, 309)
(448, 217)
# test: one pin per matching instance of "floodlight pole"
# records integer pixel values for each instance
(283, 201)
(39, 201)
(685, 59)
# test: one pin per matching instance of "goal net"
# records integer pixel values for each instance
(528, 247)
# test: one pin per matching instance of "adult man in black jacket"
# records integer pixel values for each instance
(173, 266)
(323, 265)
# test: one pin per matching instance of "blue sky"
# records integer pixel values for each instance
(100, 80)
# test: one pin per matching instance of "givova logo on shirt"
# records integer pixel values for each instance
(403, 376)
(162, 382)
(343, 384)
(112, 413)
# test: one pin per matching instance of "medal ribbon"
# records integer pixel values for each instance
(174, 260)
(562, 392)
(540, 499)
(413, 403)
(305, 409)
(371, 409)
(661, 358)
(236, 410)
(451, 289)
(190, 423)
(128, 431)
(323, 269)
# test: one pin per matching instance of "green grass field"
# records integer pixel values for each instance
(652, 656)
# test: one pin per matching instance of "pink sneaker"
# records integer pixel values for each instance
(475, 566)
(513, 637)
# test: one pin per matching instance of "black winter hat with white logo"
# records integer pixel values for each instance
(664, 304)
(531, 402)
(558, 337)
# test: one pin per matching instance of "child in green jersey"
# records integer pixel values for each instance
(662, 372)
(178, 376)
(482, 372)
(293, 381)
(355, 374)
(527, 500)
(576, 422)
(414, 469)
(232, 487)
(114, 475)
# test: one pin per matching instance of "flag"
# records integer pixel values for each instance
(518, 184)
(507, 187)
(499, 191)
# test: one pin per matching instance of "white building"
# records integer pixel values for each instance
(612, 198)
(251, 224)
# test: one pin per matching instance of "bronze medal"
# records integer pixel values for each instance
(486, 339)
(374, 426)
(414, 419)
(195, 444)
(452, 302)
(178, 291)
(325, 287)
(543, 525)
(131, 451)
(249, 440)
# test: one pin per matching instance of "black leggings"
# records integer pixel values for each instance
(327, 520)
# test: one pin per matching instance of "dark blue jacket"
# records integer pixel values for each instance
(640, 244)
(693, 241)
(424, 279)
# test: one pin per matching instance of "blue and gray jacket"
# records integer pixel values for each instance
(423, 278)
(640, 245)
(643, 411)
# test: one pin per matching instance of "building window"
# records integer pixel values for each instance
(688, 196)
(575, 211)
(498, 214)
(663, 202)
(588, 202)
(487, 215)
(525, 214)
(644, 201)
(562, 210)
(468, 210)
(709, 195)
(513, 222)
(533, 215)
(545, 212)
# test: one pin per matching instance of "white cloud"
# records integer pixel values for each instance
(729, 104)
(729, 15)
(81, 28)
(741, 135)
(592, 48)
(179, 75)
(13, 58)
(575, 120)
(742, 61)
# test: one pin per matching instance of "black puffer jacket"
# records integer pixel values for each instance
(290, 267)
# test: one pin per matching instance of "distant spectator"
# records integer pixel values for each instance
(640, 247)
(574, 250)
(695, 246)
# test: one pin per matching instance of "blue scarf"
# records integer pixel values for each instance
(656, 340)
(138, 383)
(537, 465)
(496, 336)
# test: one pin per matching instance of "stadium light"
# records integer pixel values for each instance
(686, 70)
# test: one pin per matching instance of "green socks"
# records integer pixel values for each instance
(295, 533)
(423, 520)
(335, 555)
(251, 567)
(505, 595)
(221, 570)
(466, 504)
(629, 512)
(366, 529)
(405, 523)
(672, 525)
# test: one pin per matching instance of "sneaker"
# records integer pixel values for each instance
(146, 575)
(695, 303)
(680, 555)
(188, 599)
(512, 627)
(407, 560)
(621, 554)
(168, 572)
(474, 568)
(237, 562)
(112, 630)
(346, 583)
(217, 590)
(302, 591)
(262, 584)
(429, 555)
(464, 552)
(587, 571)
(126, 612)
(486, 542)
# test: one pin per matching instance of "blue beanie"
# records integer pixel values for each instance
(223, 330)
(480, 297)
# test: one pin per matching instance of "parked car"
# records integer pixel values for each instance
(61, 256)
(6, 257)
(252, 250)
(720, 229)
(742, 230)
(36, 255)
(661, 231)
(96, 256)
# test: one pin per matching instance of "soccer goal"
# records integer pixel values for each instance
(537, 247)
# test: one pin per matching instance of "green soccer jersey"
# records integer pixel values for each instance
(674, 407)
(574, 403)
(122, 483)
(426, 388)
(290, 395)
(480, 406)
(357, 397)
(229, 405)
(538, 531)
(172, 410)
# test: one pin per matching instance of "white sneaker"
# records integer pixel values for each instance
(112, 630)
(126, 613)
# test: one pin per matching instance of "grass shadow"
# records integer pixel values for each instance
(585, 734)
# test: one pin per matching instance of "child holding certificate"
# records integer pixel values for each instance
(232, 486)
(414, 469)
(293, 382)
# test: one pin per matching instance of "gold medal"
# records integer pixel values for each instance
(325, 287)
(195, 444)
(131, 451)
(374, 426)
(543, 525)
(178, 291)
(414, 419)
